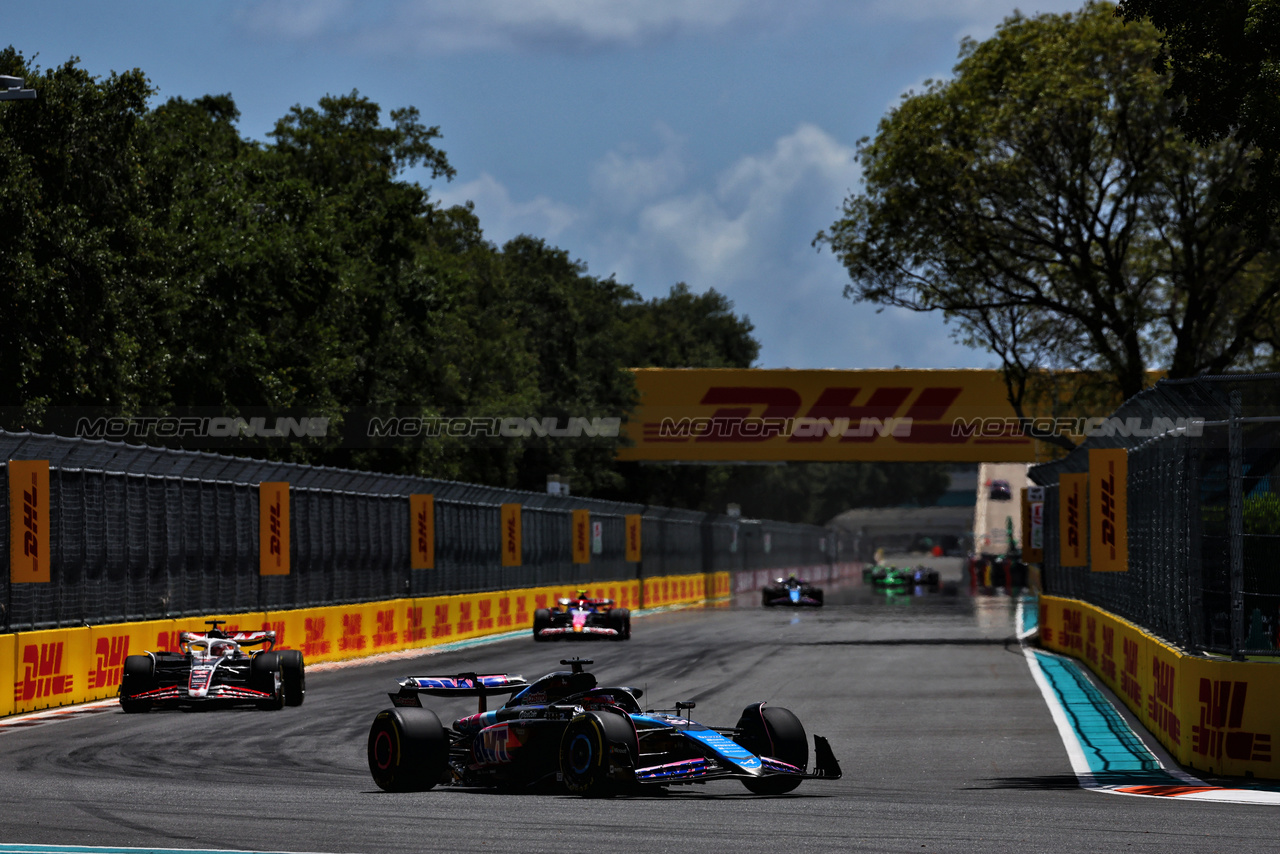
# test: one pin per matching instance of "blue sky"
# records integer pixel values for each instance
(703, 141)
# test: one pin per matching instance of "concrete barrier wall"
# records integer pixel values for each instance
(59, 667)
(1211, 714)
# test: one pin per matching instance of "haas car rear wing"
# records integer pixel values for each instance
(241, 638)
(462, 685)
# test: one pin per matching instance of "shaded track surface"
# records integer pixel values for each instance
(945, 741)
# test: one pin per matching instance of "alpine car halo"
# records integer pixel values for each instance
(567, 730)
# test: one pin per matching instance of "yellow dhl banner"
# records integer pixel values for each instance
(729, 415)
(28, 521)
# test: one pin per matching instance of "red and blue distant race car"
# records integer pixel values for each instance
(582, 617)
(566, 730)
(214, 668)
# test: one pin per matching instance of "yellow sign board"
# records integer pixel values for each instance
(582, 536)
(512, 547)
(1072, 542)
(422, 532)
(28, 521)
(1108, 510)
(273, 528)
(633, 521)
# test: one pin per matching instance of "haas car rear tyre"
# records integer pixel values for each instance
(773, 731)
(408, 750)
(541, 620)
(139, 675)
(597, 754)
(294, 675)
(265, 676)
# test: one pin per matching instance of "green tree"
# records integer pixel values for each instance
(82, 285)
(1044, 201)
(1223, 57)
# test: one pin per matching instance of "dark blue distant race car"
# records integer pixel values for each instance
(790, 591)
(566, 730)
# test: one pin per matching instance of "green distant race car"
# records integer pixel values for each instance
(898, 577)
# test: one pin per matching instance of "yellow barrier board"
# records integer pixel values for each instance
(7, 661)
(65, 666)
(1212, 715)
(49, 668)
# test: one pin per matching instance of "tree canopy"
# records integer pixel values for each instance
(1223, 58)
(1044, 200)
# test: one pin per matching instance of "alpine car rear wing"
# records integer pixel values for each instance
(462, 685)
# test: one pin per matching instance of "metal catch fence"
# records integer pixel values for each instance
(1202, 518)
(142, 533)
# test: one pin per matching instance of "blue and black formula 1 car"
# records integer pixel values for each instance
(566, 730)
(790, 591)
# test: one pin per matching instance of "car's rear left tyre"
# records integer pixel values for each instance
(408, 750)
(597, 754)
(293, 674)
(776, 732)
(817, 596)
(265, 676)
(541, 620)
(139, 675)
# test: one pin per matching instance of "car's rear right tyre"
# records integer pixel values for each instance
(139, 675)
(408, 750)
(776, 732)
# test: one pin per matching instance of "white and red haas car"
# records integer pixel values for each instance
(215, 668)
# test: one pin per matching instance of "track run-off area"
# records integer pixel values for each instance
(951, 734)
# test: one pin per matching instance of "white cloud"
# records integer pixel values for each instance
(624, 181)
(450, 26)
(501, 217)
(723, 235)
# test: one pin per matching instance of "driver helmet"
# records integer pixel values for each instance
(582, 594)
(217, 650)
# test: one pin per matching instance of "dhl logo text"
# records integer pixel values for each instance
(109, 654)
(42, 675)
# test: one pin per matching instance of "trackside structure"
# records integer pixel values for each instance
(1161, 566)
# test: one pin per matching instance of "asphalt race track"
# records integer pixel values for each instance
(945, 742)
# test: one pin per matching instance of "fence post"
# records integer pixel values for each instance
(1235, 524)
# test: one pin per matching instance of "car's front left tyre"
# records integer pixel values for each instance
(597, 753)
(139, 675)
(775, 732)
